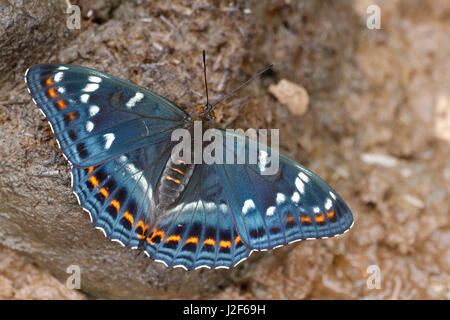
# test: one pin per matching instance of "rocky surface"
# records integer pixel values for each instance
(376, 129)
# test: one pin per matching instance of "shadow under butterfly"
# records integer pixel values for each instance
(117, 137)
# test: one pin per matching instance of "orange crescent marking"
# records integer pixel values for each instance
(330, 214)
(116, 205)
(238, 238)
(155, 233)
(173, 237)
(320, 218)
(181, 162)
(305, 219)
(192, 240)
(172, 179)
(104, 192)
(289, 218)
(210, 242)
(94, 181)
(61, 104)
(143, 227)
(225, 244)
(49, 81)
(176, 170)
(52, 93)
(90, 169)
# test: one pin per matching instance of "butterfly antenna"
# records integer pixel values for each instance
(204, 73)
(242, 85)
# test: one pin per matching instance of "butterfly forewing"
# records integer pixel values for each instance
(96, 116)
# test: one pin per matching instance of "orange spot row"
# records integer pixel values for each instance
(49, 81)
(94, 181)
(141, 225)
(236, 241)
(52, 93)
(210, 242)
(319, 218)
(289, 218)
(90, 169)
(225, 244)
(61, 104)
(172, 179)
(115, 204)
(305, 219)
(330, 214)
(155, 234)
(177, 170)
(173, 237)
(104, 192)
(193, 240)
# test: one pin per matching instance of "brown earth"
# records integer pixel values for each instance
(377, 129)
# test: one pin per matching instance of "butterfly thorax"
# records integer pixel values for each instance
(206, 113)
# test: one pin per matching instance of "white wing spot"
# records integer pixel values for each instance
(280, 198)
(316, 210)
(137, 97)
(95, 79)
(109, 137)
(299, 185)
(58, 77)
(91, 87)
(93, 110)
(248, 205)
(63, 68)
(89, 126)
(304, 177)
(61, 89)
(223, 207)
(295, 197)
(84, 98)
(328, 204)
(270, 211)
(333, 195)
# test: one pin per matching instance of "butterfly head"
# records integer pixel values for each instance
(206, 113)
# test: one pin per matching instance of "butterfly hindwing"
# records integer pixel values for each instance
(199, 230)
(95, 116)
(276, 209)
(119, 193)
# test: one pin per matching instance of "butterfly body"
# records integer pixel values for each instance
(117, 137)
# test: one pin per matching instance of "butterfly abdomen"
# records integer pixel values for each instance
(174, 178)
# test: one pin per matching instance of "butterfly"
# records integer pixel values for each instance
(117, 137)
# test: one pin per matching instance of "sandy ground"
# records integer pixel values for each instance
(377, 129)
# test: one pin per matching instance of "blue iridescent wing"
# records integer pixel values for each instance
(199, 230)
(95, 116)
(273, 210)
(117, 137)
(118, 194)
(229, 210)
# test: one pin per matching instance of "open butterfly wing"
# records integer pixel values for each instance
(199, 230)
(273, 210)
(118, 194)
(116, 135)
(95, 116)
